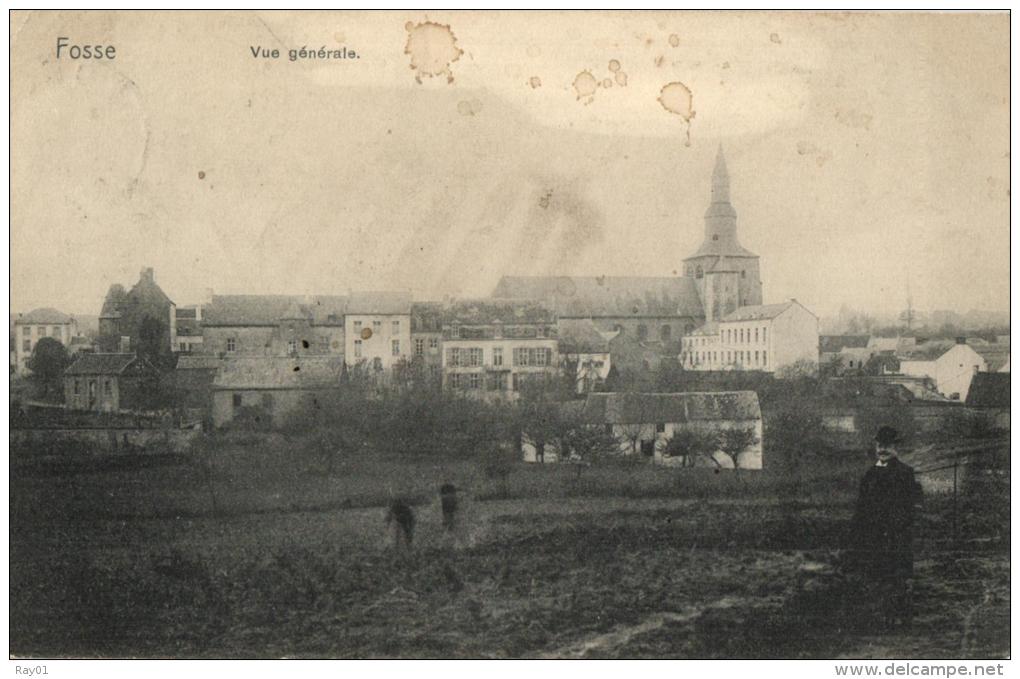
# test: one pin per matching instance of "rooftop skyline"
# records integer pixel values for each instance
(867, 154)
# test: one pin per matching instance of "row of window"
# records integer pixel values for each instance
(499, 332)
(474, 357)
(41, 331)
(107, 387)
(394, 348)
(491, 382)
(744, 336)
(376, 326)
(745, 358)
(419, 345)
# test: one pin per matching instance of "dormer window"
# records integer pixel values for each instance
(715, 236)
(699, 273)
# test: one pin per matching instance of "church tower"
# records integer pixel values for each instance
(726, 274)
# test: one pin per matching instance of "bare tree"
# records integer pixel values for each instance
(735, 441)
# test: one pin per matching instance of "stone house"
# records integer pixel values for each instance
(273, 326)
(950, 365)
(273, 386)
(108, 382)
(585, 351)
(377, 331)
(142, 319)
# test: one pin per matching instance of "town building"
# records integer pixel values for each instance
(36, 324)
(950, 365)
(109, 382)
(188, 330)
(491, 348)
(585, 353)
(766, 337)
(643, 424)
(377, 331)
(270, 387)
(142, 319)
(273, 326)
(427, 339)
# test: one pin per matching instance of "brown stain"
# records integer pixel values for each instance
(854, 118)
(678, 99)
(469, 108)
(607, 83)
(659, 61)
(820, 156)
(614, 65)
(776, 39)
(201, 174)
(432, 48)
(674, 40)
(621, 78)
(535, 82)
(585, 86)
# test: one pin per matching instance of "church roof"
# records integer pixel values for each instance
(606, 296)
(721, 248)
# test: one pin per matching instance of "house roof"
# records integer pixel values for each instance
(247, 309)
(927, 351)
(989, 390)
(624, 296)
(580, 336)
(44, 315)
(328, 309)
(185, 312)
(383, 303)
(757, 312)
(189, 362)
(266, 372)
(836, 343)
(508, 312)
(709, 329)
(995, 355)
(100, 364)
(895, 344)
(634, 408)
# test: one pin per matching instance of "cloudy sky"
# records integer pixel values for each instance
(868, 153)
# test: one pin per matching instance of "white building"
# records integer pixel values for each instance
(585, 351)
(377, 330)
(765, 337)
(36, 324)
(951, 366)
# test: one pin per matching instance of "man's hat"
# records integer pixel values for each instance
(887, 435)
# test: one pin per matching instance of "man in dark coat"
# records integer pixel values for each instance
(883, 527)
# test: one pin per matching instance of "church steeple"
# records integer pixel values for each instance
(720, 218)
(720, 179)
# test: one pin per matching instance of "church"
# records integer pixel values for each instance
(718, 278)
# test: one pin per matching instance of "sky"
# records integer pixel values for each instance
(868, 153)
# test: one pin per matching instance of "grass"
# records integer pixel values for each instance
(131, 557)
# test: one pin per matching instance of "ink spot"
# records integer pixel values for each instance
(201, 174)
(304, 344)
(297, 368)
(775, 38)
(659, 61)
(674, 40)
(432, 48)
(535, 82)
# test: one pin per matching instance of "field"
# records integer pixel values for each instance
(257, 550)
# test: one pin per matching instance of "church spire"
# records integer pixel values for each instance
(720, 179)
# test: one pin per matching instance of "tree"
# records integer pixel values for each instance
(690, 444)
(48, 361)
(586, 444)
(735, 441)
(539, 412)
(498, 462)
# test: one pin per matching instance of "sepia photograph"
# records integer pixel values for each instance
(477, 334)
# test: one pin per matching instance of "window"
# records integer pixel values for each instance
(324, 345)
(237, 401)
(267, 401)
(660, 428)
(455, 381)
(756, 358)
(433, 343)
(453, 357)
(357, 348)
(42, 331)
(26, 330)
(376, 326)
(108, 387)
(516, 382)
(520, 357)
(357, 326)
(756, 334)
(292, 347)
(26, 345)
(741, 335)
(419, 346)
(396, 326)
(499, 382)
(540, 331)
(642, 332)
(665, 332)
(433, 371)
(475, 357)
(77, 386)
(763, 331)
(698, 273)
(743, 273)
(474, 380)
(92, 389)
(497, 356)
(396, 347)
(764, 358)
(55, 331)
(231, 344)
(377, 363)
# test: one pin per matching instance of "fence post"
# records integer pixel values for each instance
(956, 536)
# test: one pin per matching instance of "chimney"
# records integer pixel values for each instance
(148, 275)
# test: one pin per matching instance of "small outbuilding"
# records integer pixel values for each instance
(108, 382)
